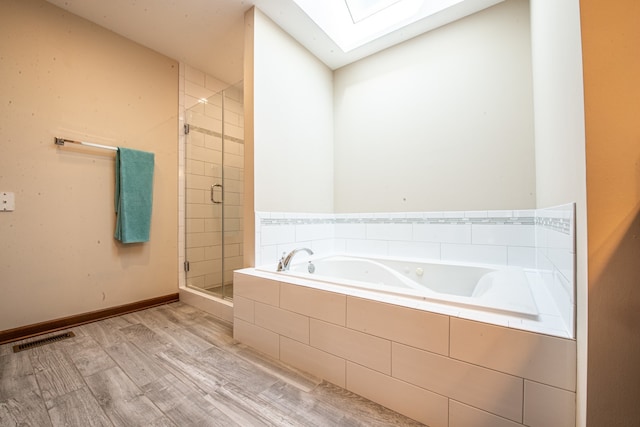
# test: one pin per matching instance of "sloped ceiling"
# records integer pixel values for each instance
(209, 34)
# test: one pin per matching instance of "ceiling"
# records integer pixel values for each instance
(208, 34)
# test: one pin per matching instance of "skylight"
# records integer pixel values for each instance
(361, 9)
(353, 23)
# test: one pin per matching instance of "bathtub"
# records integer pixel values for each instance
(502, 289)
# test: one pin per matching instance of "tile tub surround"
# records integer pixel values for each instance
(447, 371)
(541, 241)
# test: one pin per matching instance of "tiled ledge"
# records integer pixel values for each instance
(441, 372)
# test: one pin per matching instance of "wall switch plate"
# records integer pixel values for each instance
(7, 201)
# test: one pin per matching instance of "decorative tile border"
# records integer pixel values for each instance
(216, 134)
(562, 225)
(408, 220)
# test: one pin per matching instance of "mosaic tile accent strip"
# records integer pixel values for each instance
(562, 225)
(417, 220)
(216, 134)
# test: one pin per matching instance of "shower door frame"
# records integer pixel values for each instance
(219, 281)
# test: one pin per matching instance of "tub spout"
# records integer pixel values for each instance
(285, 261)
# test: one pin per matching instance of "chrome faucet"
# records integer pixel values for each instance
(285, 261)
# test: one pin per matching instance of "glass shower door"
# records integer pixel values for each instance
(214, 173)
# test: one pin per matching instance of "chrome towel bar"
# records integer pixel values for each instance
(61, 141)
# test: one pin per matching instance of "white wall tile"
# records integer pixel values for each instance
(563, 299)
(367, 247)
(314, 361)
(363, 349)
(415, 402)
(214, 84)
(282, 322)
(442, 233)
(267, 255)
(273, 234)
(417, 328)
(243, 308)
(541, 358)
(486, 254)
(196, 91)
(350, 231)
(548, 406)
(432, 214)
(313, 231)
(524, 213)
(506, 235)
(323, 247)
(453, 214)
(262, 214)
(461, 415)
(389, 231)
(492, 391)
(256, 288)
(563, 261)
(390, 215)
(521, 257)
(194, 75)
(415, 250)
(328, 306)
(541, 295)
(476, 214)
(500, 214)
(543, 263)
(259, 338)
(340, 246)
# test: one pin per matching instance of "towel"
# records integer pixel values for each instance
(134, 195)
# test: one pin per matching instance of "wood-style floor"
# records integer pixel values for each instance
(172, 365)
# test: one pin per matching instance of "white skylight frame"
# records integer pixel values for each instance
(334, 18)
(362, 9)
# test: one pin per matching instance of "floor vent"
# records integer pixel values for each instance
(42, 341)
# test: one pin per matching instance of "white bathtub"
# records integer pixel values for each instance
(503, 289)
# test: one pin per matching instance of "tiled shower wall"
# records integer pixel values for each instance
(202, 168)
(541, 239)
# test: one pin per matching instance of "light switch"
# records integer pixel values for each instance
(7, 201)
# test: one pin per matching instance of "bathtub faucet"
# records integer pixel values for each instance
(285, 261)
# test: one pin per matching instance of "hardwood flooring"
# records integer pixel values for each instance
(171, 365)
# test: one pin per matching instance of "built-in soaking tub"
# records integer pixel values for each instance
(420, 337)
(481, 287)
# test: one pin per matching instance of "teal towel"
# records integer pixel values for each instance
(134, 195)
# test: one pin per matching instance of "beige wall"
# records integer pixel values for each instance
(293, 123)
(443, 121)
(63, 76)
(412, 123)
(610, 40)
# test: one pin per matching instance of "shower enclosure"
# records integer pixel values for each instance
(214, 174)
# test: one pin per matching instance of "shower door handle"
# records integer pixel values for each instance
(221, 194)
